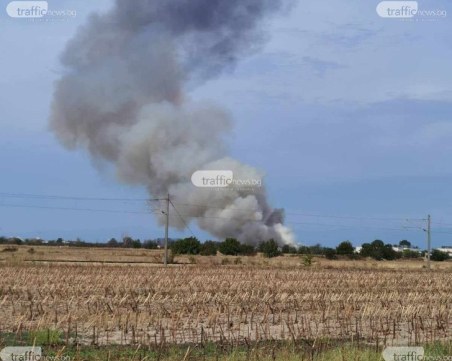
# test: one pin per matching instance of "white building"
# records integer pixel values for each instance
(447, 250)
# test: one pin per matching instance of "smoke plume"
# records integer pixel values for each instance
(123, 97)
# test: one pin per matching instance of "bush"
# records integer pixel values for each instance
(189, 245)
(307, 260)
(10, 249)
(230, 247)
(270, 248)
(439, 256)
(407, 253)
(330, 253)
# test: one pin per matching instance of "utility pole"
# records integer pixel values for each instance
(429, 240)
(166, 230)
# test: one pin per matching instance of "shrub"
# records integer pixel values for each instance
(330, 253)
(307, 260)
(407, 253)
(10, 249)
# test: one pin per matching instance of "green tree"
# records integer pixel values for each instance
(345, 248)
(150, 244)
(405, 244)
(189, 245)
(209, 248)
(127, 242)
(247, 250)
(439, 256)
(389, 253)
(287, 249)
(316, 249)
(270, 248)
(330, 253)
(379, 251)
(230, 247)
(136, 243)
(112, 243)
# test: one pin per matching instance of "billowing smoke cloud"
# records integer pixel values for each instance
(124, 98)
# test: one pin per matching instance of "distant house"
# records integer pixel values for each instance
(396, 248)
(401, 249)
(446, 249)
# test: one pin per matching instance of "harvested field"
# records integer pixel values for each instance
(93, 304)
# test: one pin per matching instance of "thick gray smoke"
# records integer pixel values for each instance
(124, 98)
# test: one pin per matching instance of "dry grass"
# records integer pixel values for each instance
(232, 304)
(73, 255)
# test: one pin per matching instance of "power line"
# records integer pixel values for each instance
(181, 216)
(56, 197)
(79, 198)
(442, 224)
(302, 213)
(403, 228)
(70, 209)
(182, 219)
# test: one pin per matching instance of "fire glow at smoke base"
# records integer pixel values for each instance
(124, 99)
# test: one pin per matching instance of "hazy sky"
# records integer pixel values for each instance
(348, 114)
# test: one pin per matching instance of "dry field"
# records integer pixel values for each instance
(117, 304)
(64, 255)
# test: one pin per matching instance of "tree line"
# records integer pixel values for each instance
(377, 249)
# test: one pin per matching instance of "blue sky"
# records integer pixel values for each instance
(348, 114)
